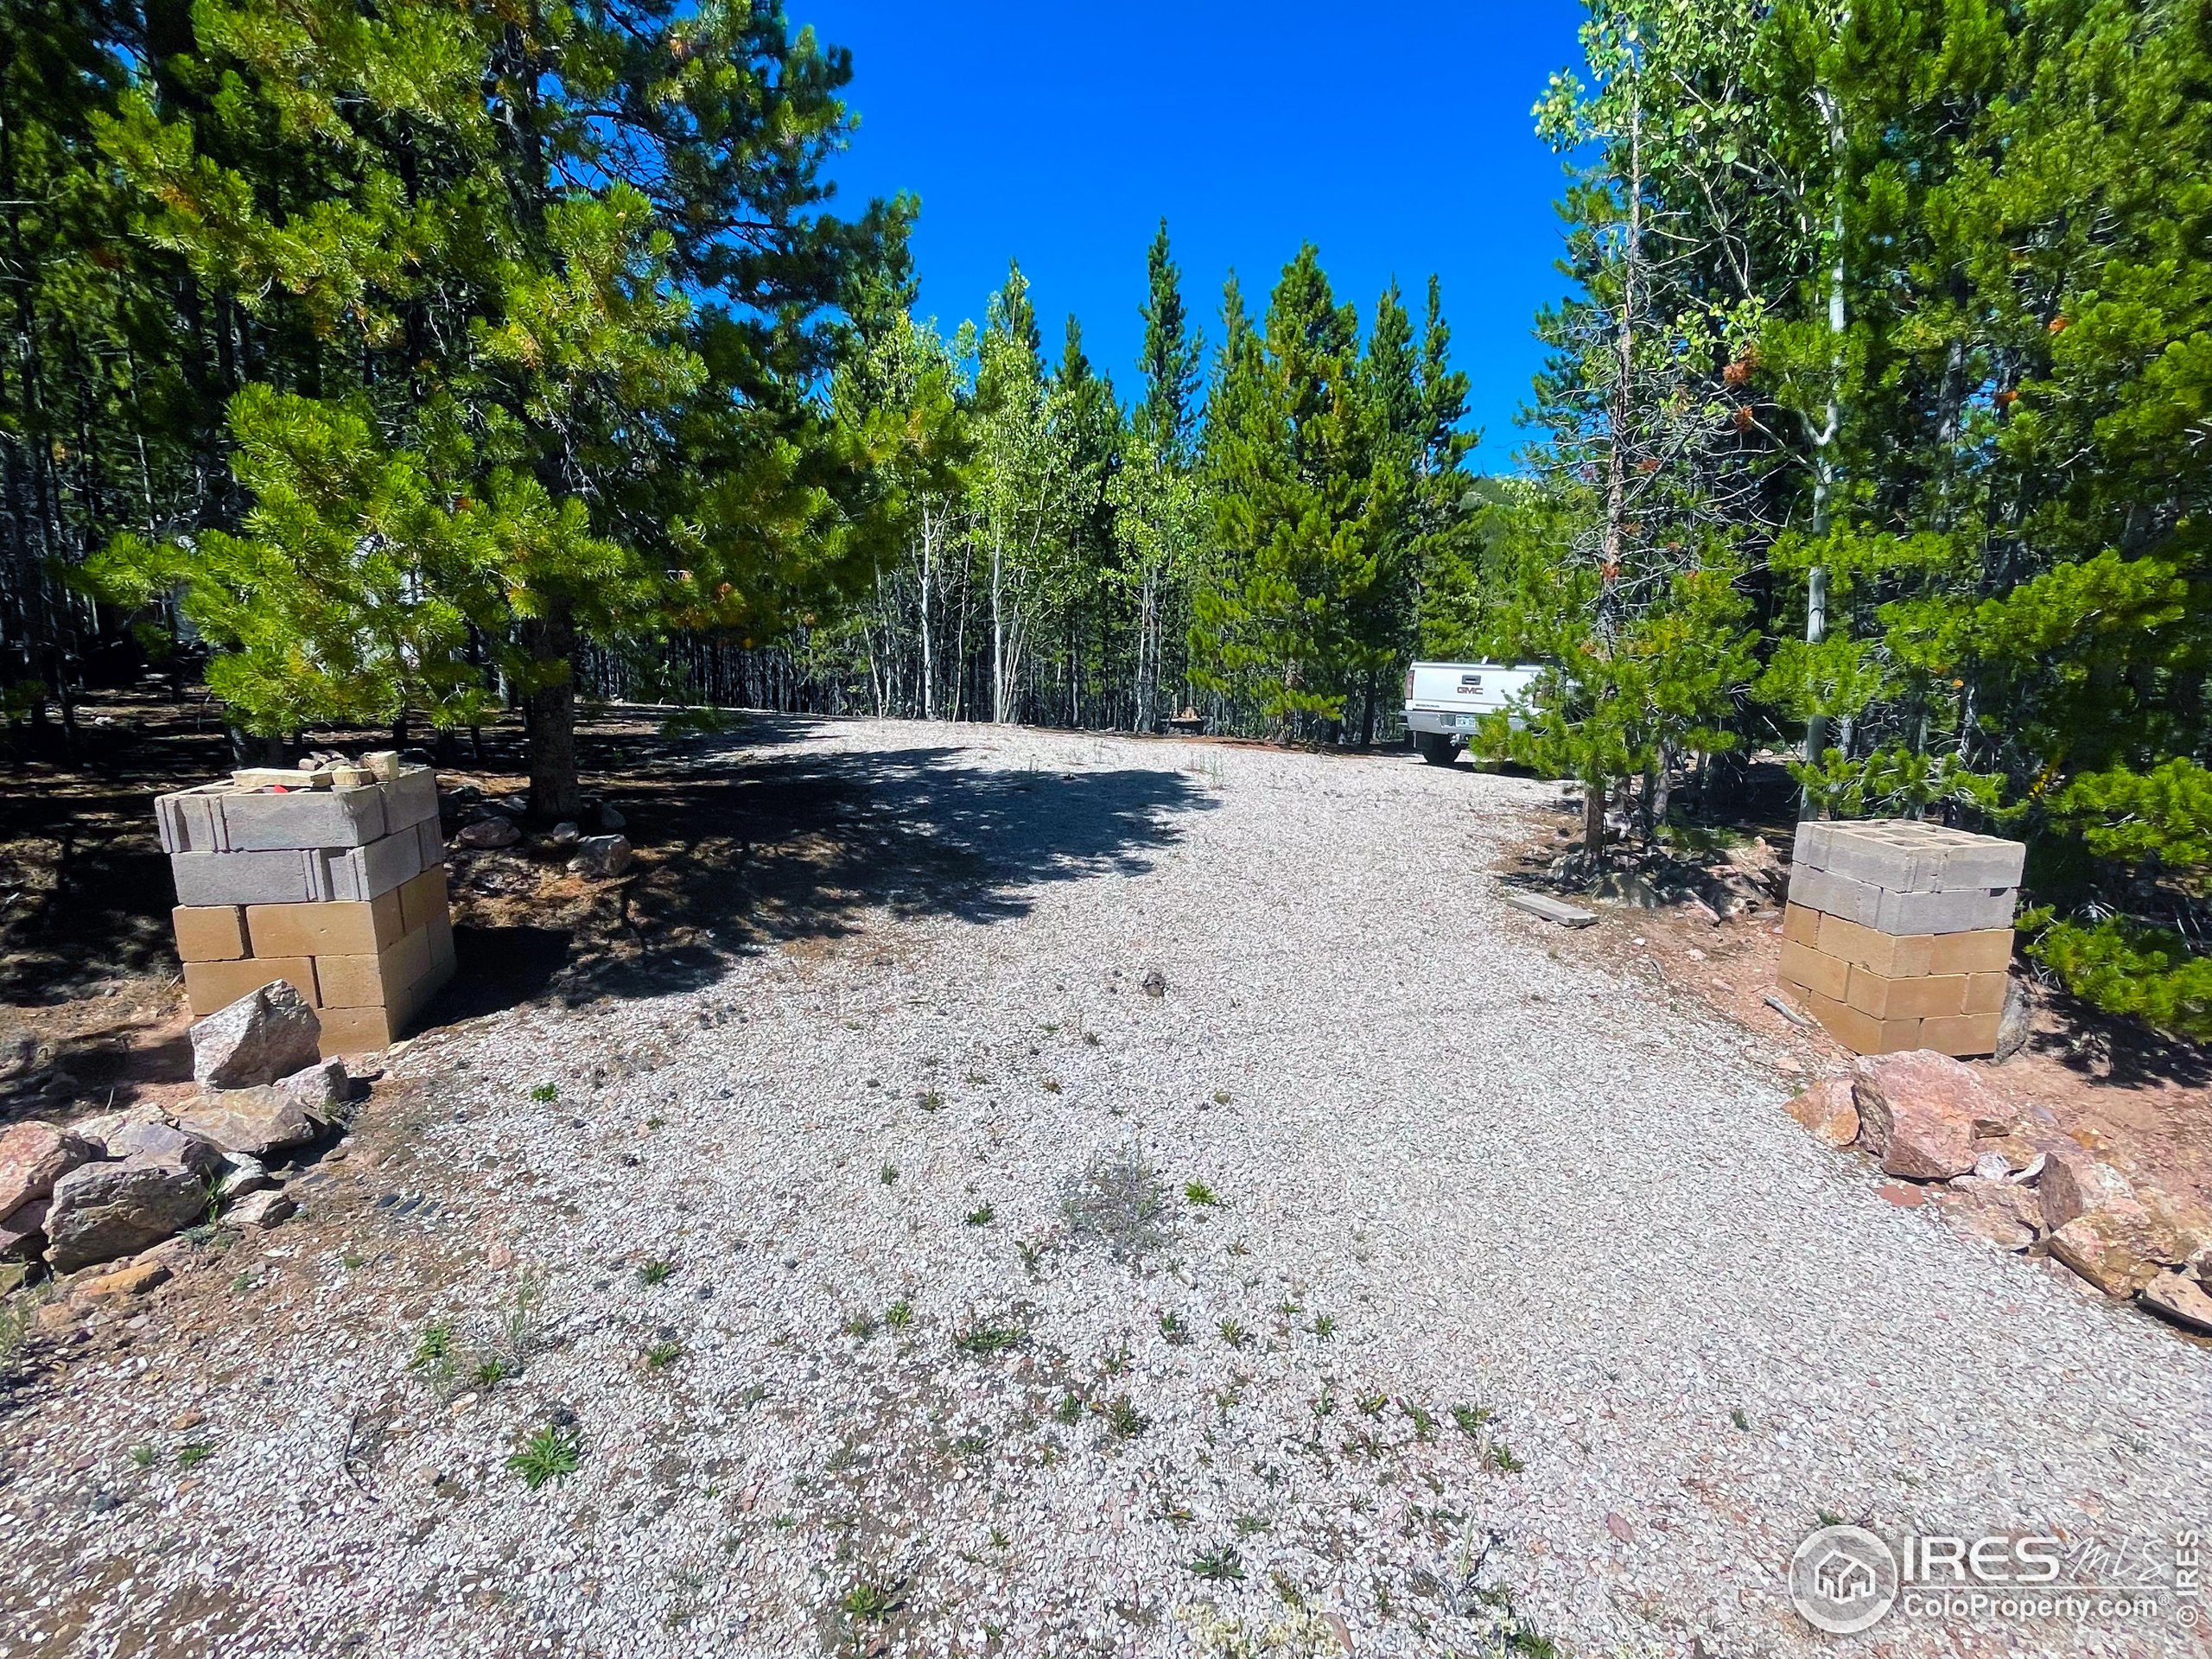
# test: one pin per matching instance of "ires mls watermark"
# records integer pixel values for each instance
(1844, 1579)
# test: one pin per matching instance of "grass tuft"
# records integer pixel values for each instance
(552, 1454)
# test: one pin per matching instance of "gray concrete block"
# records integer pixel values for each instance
(262, 878)
(409, 798)
(305, 817)
(1906, 856)
(191, 820)
(434, 844)
(1889, 912)
(1835, 895)
(1963, 911)
(1983, 861)
(362, 872)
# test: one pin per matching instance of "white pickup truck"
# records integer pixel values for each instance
(1445, 701)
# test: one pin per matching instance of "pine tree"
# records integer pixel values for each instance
(1159, 510)
(1293, 617)
(574, 269)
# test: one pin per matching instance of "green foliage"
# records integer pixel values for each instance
(1908, 299)
(1303, 606)
(552, 1455)
(501, 336)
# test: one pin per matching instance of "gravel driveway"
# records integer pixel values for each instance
(1491, 1297)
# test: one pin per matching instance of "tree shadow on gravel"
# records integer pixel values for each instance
(743, 844)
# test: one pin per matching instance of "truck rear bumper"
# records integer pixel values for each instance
(1451, 722)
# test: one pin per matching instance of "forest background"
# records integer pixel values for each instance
(415, 363)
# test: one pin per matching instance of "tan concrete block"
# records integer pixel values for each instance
(332, 928)
(357, 1031)
(1823, 974)
(1893, 956)
(441, 950)
(422, 898)
(381, 980)
(1985, 992)
(1907, 999)
(1987, 952)
(1801, 925)
(1861, 1033)
(1962, 1033)
(209, 933)
(425, 990)
(213, 985)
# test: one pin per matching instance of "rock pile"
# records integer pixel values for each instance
(2015, 1180)
(115, 1185)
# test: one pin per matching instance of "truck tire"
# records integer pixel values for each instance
(1436, 749)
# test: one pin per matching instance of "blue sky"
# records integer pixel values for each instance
(1395, 137)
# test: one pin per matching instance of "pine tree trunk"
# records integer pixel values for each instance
(548, 716)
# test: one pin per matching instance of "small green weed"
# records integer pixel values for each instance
(872, 1603)
(545, 1093)
(987, 1338)
(1470, 1419)
(1223, 1566)
(552, 1455)
(654, 1273)
(981, 1216)
(1199, 1193)
(662, 1355)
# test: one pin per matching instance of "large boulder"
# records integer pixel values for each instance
(2074, 1182)
(271, 1116)
(2188, 1223)
(159, 1142)
(266, 1034)
(494, 830)
(99, 1211)
(34, 1154)
(263, 1210)
(22, 1231)
(2118, 1247)
(1920, 1111)
(1998, 1211)
(601, 857)
(2181, 1300)
(1827, 1110)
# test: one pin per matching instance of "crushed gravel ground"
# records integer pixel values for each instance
(1491, 1298)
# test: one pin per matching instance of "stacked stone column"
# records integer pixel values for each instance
(1898, 935)
(339, 889)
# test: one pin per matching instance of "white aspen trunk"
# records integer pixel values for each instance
(998, 631)
(1148, 649)
(929, 656)
(1824, 469)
